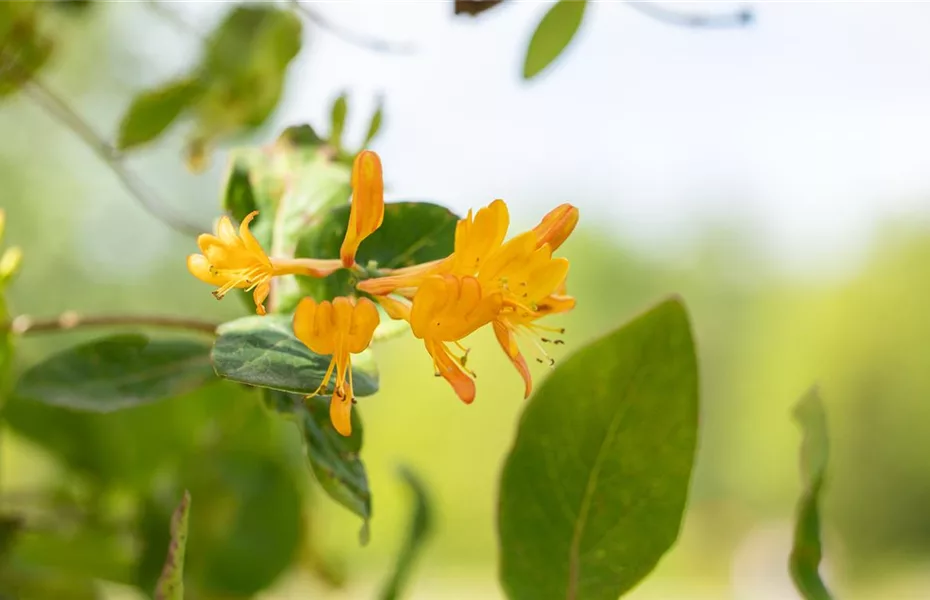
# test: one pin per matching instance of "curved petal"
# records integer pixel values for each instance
(556, 226)
(259, 295)
(508, 342)
(452, 371)
(248, 240)
(340, 413)
(199, 267)
(365, 319)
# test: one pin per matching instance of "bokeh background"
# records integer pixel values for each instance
(775, 175)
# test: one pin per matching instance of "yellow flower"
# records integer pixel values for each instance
(340, 328)
(446, 309)
(532, 284)
(367, 211)
(238, 261)
(522, 271)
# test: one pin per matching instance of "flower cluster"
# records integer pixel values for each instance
(486, 281)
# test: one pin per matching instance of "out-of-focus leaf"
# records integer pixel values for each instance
(337, 120)
(24, 45)
(263, 351)
(806, 553)
(153, 111)
(10, 528)
(171, 583)
(83, 551)
(28, 583)
(474, 7)
(118, 372)
(6, 352)
(374, 125)
(594, 489)
(301, 135)
(77, 6)
(244, 69)
(553, 34)
(421, 526)
(334, 458)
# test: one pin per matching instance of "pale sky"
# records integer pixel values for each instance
(809, 125)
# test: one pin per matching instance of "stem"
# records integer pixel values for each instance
(738, 18)
(350, 36)
(25, 325)
(57, 108)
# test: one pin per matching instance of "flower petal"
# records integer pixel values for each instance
(508, 342)
(199, 267)
(452, 371)
(556, 226)
(340, 413)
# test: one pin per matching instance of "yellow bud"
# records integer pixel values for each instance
(367, 211)
(9, 263)
(556, 226)
(2, 222)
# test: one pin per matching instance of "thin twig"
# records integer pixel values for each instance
(57, 108)
(349, 36)
(25, 325)
(739, 18)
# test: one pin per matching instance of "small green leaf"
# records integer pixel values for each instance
(553, 34)
(374, 125)
(806, 553)
(421, 527)
(118, 372)
(263, 351)
(171, 583)
(595, 487)
(334, 458)
(238, 198)
(153, 111)
(337, 120)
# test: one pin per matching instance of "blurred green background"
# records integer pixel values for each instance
(767, 327)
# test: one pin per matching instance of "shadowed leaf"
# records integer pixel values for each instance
(474, 7)
(171, 583)
(553, 35)
(334, 458)
(593, 492)
(118, 372)
(263, 351)
(806, 553)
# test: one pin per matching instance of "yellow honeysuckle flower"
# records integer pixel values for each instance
(522, 271)
(367, 211)
(446, 309)
(238, 261)
(340, 328)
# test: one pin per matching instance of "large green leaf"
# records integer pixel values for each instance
(153, 111)
(421, 526)
(804, 563)
(263, 351)
(118, 372)
(593, 491)
(553, 34)
(335, 459)
(171, 583)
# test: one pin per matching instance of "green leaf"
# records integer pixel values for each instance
(118, 372)
(334, 458)
(474, 7)
(263, 351)
(10, 528)
(171, 583)
(374, 125)
(238, 198)
(804, 563)
(244, 68)
(337, 120)
(553, 34)
(421, 527)
(153, 111)
(412, 233)
(594, 490)
(26, 45)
